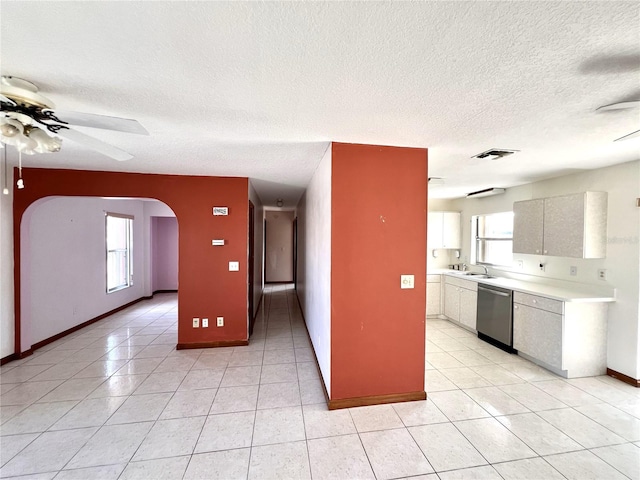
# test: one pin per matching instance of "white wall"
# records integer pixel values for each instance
(152, 208)
(258, 247)
(64, 267)
(314, 263)
(165, 253)
(279, 247)
(6, 269)
(622, 182)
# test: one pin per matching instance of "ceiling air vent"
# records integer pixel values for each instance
(495, 153)
(486, 192)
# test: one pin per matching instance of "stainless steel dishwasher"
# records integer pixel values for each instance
(495, 316)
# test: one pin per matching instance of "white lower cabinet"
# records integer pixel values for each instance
(538, 333)
(468, 308)
(434, 292)
(568, 338)
(451, 302)
(460, 301)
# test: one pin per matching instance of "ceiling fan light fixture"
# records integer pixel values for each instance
(45, 143)
(9, 130)
(22, 108)
(279, 202)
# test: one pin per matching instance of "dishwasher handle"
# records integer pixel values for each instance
(494, 292)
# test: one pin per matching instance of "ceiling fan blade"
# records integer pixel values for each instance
(99, 121)
(619, 106)
(628, 136)
(6, 100)
(94, 144)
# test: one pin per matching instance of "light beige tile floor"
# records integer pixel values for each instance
(115, 400)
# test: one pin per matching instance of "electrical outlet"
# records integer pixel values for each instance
(205, 323)
(573, 271)
(196, 322)
(602, 274)
(520, 264)
(220, 321)
(542, 267)
(234, 266)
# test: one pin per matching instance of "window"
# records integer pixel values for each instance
(493, 239)
(119, 235)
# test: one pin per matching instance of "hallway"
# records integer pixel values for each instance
(117, 401)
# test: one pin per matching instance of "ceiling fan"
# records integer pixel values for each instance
(622, 106)
(29, 122)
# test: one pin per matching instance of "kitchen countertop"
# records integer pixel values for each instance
(563, 291)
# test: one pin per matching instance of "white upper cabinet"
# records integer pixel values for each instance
(573, 226)
(527, 226)
(443, 230)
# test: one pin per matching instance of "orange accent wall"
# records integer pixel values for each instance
(378, 230)
(206, 287)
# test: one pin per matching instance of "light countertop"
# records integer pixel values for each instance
(558, 290)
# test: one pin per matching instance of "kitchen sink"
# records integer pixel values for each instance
(474, 274)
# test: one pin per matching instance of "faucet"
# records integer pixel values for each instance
(486, 270)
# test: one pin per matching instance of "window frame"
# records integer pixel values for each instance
(128, 251)
(477, 240)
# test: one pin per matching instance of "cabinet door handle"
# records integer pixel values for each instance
(545, 252)
(515, 307)
(534, 300)
(537, 251)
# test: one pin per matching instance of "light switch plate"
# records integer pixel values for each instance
(196, 322)
(406, 281)
(234, 266)
(220, 321)
(205, 322)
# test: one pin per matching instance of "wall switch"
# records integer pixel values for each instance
(205, 322)
(220, 321)
(573, 271)
(196, 322)
(406, 281)
(234, 266)
(602, 274)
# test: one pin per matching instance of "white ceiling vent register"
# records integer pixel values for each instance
(487, 192)
(495, 153)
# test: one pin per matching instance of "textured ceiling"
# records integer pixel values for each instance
(259, 89)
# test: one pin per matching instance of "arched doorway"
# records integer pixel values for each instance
(64, 258)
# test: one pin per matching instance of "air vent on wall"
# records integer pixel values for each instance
(487, 192)
(495, 153)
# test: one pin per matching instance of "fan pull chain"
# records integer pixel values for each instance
(20, 182)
